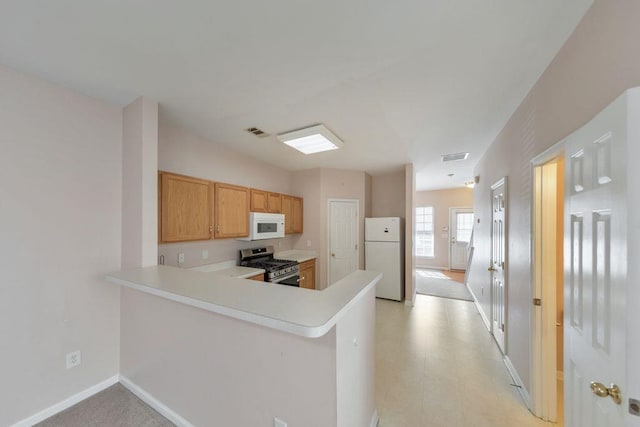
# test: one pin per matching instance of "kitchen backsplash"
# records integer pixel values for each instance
(215, 250)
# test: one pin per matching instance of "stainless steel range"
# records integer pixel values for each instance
(278, 271)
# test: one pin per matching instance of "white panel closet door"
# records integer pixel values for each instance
(596, 269)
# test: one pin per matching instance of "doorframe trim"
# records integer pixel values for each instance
(538, 399)
(328, 248)
(451, 209)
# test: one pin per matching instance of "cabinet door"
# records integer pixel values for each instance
(297, 215)
(259, 201)
(287, 210)
(231, 211)
(275, 203)
(185, 208)
(308, 274)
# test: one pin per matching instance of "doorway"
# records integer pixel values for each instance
(548, 282)
(460, 228)
(343, 245)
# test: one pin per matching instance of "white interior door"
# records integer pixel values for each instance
(498, 260)
(460, 227)
(343, 239)
(596, 269)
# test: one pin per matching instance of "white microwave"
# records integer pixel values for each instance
(265, 226)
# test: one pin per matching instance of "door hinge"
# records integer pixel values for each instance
(502, 327)
(537, 301)
(356, 246)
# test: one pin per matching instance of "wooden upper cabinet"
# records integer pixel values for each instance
(274, 204)
(185, 208)
(263, 201)
(292, 210)
(232, 205)
(259, 201)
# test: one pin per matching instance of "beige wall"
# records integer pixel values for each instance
(183, 152)
(409, 240)
(306, 184)
(341, 184)
(61, 207)
(317, 186)
(442, 200)
(234, 373)
(139, 184)
(388, 194)
(598, 62)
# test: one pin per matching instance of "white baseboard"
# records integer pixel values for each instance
(484, 317)
(163, 409)
(67, 403)
(374, 419)
(518, 381)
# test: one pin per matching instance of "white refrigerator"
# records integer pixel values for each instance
(384, 251)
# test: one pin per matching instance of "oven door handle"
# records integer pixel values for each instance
(280, 279)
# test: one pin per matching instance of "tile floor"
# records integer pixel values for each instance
(437, 365)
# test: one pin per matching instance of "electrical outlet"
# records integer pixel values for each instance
(73, 359)
(180, 258)
(205, 254)
(308, 243)
(277, 422)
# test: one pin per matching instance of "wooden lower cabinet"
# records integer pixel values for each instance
(308, 274)
(257, 277)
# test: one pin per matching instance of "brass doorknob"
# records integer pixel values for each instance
(602, 390)
(492, 269)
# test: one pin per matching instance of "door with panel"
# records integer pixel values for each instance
(498, 261)
(596, 271)
(460, 226)
(343, 239)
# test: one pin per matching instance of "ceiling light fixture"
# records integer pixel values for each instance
(312, 139)
(455, 156)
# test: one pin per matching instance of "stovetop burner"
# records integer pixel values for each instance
(263, 258)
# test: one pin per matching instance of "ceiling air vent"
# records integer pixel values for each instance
(257, 132)
(454, 157)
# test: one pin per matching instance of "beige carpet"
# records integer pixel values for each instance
(113, 407)
(437, 284)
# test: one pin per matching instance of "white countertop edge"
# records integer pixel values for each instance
(269, 322)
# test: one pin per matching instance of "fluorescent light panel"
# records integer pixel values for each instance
(313, 139)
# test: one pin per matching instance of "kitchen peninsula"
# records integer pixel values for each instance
(224, 351)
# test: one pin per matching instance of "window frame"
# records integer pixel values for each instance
(432, 231)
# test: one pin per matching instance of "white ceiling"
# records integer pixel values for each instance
(399, 81)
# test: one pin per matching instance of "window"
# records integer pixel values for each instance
(464, 225)
(424, 231)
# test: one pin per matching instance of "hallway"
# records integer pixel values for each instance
(437, 365)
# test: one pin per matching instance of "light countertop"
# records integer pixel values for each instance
(296, 255)
(229, 269)
(303, 312)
